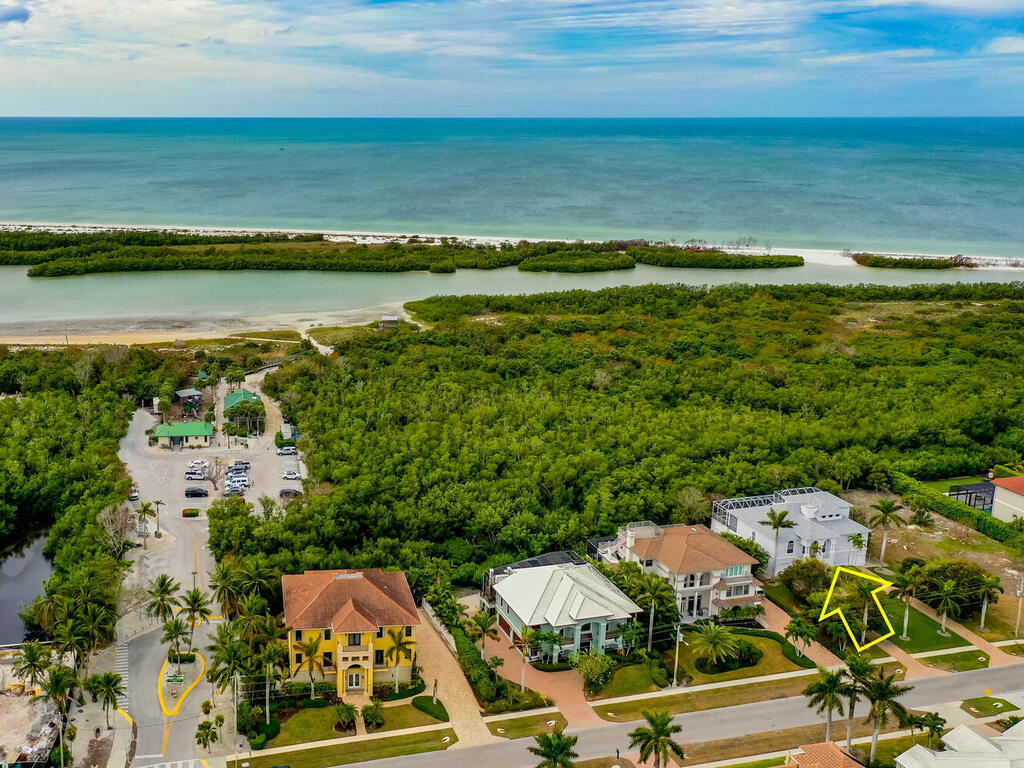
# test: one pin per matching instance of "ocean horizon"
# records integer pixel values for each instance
(912, 185)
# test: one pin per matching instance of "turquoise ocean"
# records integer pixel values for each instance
(910, 185)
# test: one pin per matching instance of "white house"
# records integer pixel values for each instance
(1008, 501)
(559, 592)
(822, 527)
(966, 748)
(708, 574)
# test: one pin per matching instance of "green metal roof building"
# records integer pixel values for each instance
(240, 395)
(183, 433)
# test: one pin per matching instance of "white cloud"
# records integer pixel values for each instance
(1006, 45)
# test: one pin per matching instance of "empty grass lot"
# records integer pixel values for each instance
(405, 716)
(958, 662)
(677, 703)
(354, 752)
(308, 725)
(987, 706)
(782, 597)
(771, 663)
(923, 631)
(521, 727)
(942, 486)
(270, 335)
(334, 334)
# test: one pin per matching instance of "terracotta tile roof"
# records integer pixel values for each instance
(827, 754)
(690, 549)
(348, 601)
(1014, 484)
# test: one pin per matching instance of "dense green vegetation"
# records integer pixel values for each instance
(912, 262)
(53, 255)
(570, 414)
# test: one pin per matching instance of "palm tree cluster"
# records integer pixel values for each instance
(651, 592)
(836, 691)
(59, 684)
(654, 739)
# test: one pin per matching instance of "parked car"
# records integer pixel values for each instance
(289, 493)
(198, 463)
(288, 450)
(134, 494)
(290, 474)
(196, 492)
(195, 475)
(242, 464)
(233, 491)
(239, 481)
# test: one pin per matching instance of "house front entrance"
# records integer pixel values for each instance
(354, 680)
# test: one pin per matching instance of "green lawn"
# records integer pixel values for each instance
(985, 706)
(626, 681)
(521, 727)
(768, 762)
(922, 630)
(782, 597)
(942, 486)
(307, 725)
(625, 711)
(888, 749)
(354, 752)
(405, 716)
(772, 662)
(958, 662)
(270, 335)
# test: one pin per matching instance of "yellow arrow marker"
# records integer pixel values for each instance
(882, 585)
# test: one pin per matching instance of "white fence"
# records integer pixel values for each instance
(444, 633)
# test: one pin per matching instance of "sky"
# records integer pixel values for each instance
(512, 58)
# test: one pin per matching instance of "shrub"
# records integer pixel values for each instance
(270, 730)
(908, 563)
(258, 741)
(806, 576)
(561, 666)
(373, 715)
(788, 649)
(180, 658)
(747, 655)
(426, 704)
(752, 548)
(190, 513)
(595, 668)
(405, 690)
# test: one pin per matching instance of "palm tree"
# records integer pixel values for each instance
(108, 688)
(631, 634)
(251, 609)
(311, 660)
(988, 590)
(826, 693)
(58, 687)
(933, 722)
(882, 693)
(551, 642)
(483, 625)
(525, 642)
(157, 503)
(947, 600)
(206, 734)
(162, 600)
(856, 540)
(777, 521)
(858, 669)
(652, 591)
(904, 587)
(254, 577)
(174, 632)
(345, 715)
(31, 661)
(224, 581)
(69, 637)
(401, 647)
(195, 606)
(656, 738)
(555, 749)
(714, 642)
(230, 658)
(800, 631)
(144, 511)
(887, 516)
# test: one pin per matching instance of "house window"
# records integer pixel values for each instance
(790, 547)
(738, 591)
(648, 563)
(328, 659)
(408, 631)
(734, 570)
(825, 548)
(298, 635)
(380, 631)
(327, 634)
(354, 638)
(690, 580)
(378, 658)
(298, 658)
(732, 523)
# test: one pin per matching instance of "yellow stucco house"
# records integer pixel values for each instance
(353, 614)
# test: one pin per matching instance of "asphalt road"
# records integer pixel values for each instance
(709, 725)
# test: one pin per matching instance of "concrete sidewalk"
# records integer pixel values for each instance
(776, 619)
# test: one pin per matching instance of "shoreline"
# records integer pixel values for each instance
(818, 256)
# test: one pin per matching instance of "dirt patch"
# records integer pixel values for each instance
(99, 751)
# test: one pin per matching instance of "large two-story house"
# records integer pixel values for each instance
(354, 615)
(821, 528)
(558, 592)
(708, 573)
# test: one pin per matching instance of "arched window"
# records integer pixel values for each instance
(790, 547)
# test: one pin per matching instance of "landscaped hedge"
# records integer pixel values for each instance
(982, 522)
(180, 658)
(561, 666)
(426, 704)
(500, 696)
(405, 690)
(788, 649)
(298, 689)
(190, 513)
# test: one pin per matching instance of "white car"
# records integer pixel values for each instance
(290, 474)
(198, 464)
(288, 450)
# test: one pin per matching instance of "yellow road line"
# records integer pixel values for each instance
(173, 714)
(126, 716)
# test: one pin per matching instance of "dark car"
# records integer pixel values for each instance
(191, 493)
(289, 493)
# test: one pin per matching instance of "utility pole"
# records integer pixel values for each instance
(234, 713)
(675, 666)
(1020, 603)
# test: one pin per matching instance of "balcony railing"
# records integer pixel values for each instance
(354, 648)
